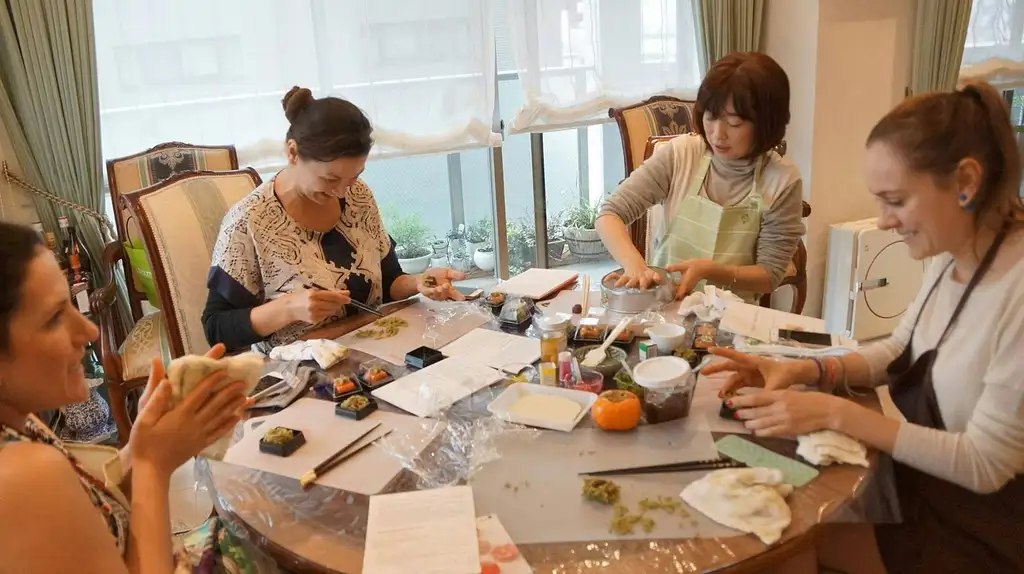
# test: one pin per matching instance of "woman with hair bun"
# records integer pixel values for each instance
(293, 254)
(946, 171)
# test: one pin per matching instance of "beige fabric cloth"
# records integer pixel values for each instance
(826, 447)
(187, 372)
(750, 500)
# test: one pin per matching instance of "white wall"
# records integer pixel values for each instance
(15, 203)
(848, 64)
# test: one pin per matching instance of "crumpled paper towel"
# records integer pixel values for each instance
(707, 305)
(748, 499)
(325, 352)
(825, 447)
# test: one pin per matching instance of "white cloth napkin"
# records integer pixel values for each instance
(825, 447)
(707, 305)
(325, 352)
(185, 373)
(748, 499)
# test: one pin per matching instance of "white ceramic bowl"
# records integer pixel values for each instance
(667, 336)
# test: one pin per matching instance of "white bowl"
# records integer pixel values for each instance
(667, 336)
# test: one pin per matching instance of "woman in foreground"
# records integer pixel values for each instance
(733, 207)
(946, 171)
(292, 254)
(58, 515)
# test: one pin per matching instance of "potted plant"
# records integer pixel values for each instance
(580, 232)
(410, 235)
(483, 257)
(461, 260)
(556, 239)
(478, 235)
(522, 242)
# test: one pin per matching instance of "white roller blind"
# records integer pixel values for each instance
(994, 48)
(577, 58)
(214, 72)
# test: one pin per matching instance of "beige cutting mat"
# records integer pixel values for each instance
(368, 472)
(422, 330)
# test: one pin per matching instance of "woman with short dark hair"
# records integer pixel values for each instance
(733, 207)
(301, 246)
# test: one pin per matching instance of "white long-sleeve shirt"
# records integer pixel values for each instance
(978, 376)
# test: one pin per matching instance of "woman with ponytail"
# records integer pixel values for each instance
(946, 171)
(295, 252)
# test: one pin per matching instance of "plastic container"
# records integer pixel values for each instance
(370, 374)
(668, 384)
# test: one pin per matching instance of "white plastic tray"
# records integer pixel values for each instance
(501, 406)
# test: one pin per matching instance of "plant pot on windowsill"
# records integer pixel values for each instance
(484, 258)
(556, 248)
(413, 259)
(584, 243)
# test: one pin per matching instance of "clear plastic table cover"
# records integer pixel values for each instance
(322, 529)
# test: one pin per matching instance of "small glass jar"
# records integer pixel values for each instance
(553, 337)
(551, 344)
(668, 384)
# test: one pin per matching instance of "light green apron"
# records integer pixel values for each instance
(702, 229)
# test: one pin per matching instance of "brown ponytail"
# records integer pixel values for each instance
(933, 132)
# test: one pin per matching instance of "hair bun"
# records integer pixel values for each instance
(296, 100)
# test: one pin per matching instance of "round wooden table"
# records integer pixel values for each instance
(323, 529)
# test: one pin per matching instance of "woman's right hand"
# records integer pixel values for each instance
(165, 438)
(754, 371)
(637, 275)
(314, 305)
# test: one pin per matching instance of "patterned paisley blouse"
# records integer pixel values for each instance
(262, 253)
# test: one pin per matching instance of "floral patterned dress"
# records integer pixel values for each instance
(209, 549)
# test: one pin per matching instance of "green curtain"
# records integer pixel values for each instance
(940, 29)
(726, 26)
(50, 106)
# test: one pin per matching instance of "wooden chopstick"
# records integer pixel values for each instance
(311, 475)
(353, 302)
(328, 465)
(671, 467)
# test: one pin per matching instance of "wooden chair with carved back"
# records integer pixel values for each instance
(178, 220)
(126, 175)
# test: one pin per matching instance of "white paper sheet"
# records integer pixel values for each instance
(762, 323)
(426, 531)
(537, 283)
(427, 391)
(368, 472)
(417, 333)
(494, 349)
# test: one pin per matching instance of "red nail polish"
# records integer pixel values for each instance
(736, 415)
(728, 403)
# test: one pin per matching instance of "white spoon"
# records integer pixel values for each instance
(596, 356)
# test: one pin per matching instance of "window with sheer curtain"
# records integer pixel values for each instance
(214, 72)
(994, 48)
(577, 58)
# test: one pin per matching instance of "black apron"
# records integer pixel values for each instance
(947, 528)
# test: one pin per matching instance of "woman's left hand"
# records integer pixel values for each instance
(693, 272)
(442, 289)
(786, 413)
